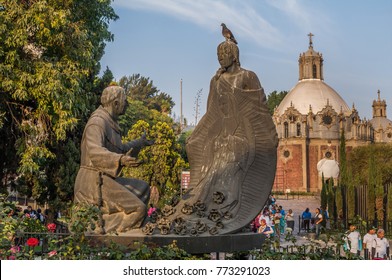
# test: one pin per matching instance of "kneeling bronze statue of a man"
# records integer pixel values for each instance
(122, 200)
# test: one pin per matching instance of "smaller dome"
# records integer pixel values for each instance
(312, 92)
(380, 122)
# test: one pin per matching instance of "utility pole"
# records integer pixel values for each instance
(181, 116)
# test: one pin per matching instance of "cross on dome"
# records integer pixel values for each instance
(310, 40)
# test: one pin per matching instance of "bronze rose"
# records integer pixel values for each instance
(219, 225)
(218, 197)
(213, 230)
(214, 215)
(187, 209)
(199, 206)
(164, 226)
(200, 227)
(168, 210)
(148, 229)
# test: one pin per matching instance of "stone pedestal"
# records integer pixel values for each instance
(191, 244)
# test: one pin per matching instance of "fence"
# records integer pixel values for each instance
(43, 238)
(343, 225)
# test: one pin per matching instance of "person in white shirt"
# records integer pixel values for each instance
(318, 218)
(368, 242)
(380, 246)
(290, 219)
(266, 217)
(353, 240)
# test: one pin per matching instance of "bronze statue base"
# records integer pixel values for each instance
(191, 244)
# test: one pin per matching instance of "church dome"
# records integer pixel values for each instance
(311, 91)
(381, 122)
(314, 93)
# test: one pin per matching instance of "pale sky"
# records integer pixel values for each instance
(170, 40)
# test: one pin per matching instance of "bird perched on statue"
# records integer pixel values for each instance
(227, 34)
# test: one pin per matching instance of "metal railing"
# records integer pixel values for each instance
(343, 225)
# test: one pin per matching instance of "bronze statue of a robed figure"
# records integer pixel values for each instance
(231, 152)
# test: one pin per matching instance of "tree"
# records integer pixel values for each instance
(372, 173)
(331, 199)
(389, 204)
(344, 181)
(274, 99)
(182, 144)
(382, 159)
(350, 196)
(324, 193)
(49, 58)
(379, 197)
(162, 163)
(145, 101)
(141, 88)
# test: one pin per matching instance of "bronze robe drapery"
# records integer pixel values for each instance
(122, 200)
(232, 155)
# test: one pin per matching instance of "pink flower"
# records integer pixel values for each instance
(32, 241)
(11, 258)
(52, 253)
(14, 249)
(51, 227)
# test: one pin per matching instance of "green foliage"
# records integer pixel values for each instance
(331, 199)
(379, 198)
(49, 58)
(343, 160)
(271, 250)
(83, 218)
(371, 196)
(339, 201)
(169, 252)
(162, 163)
(350, 193)
(182, 142)
(9, 223)
(27, 224)
(145, 101)
(389, 204)
(324, 193)
(359, 163)
(274, 99)
(74, 246)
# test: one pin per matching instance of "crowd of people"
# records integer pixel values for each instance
(374, 244)
(274, 221)
(29, 212)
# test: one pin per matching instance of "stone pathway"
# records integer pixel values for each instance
(298, 205)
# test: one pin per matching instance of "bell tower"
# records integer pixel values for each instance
(379, 107)
(311, 63)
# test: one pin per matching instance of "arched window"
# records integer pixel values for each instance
(298, 129)
(286, 130)
(314, 71)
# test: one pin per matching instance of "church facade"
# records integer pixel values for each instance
(309, 122)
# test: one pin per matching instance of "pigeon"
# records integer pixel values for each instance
(227, 34)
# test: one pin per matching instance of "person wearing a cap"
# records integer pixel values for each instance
(353, 240)
(368, 241)
(380, 246)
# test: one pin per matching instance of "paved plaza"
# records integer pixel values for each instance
(298, 204)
